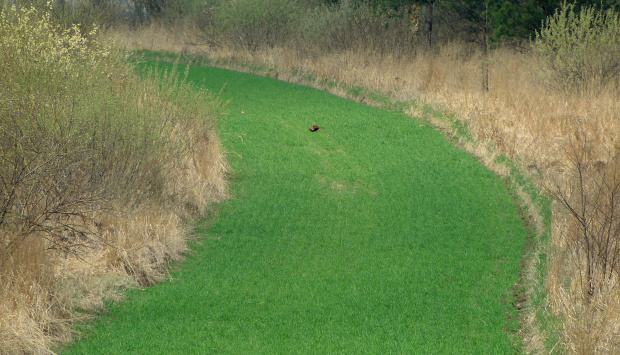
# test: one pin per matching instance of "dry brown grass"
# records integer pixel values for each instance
(590, 324)
(41, 299)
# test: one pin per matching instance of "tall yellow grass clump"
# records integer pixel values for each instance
(97, 182)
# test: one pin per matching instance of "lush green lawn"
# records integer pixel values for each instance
(372, 236)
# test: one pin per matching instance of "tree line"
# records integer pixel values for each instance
(476, 20)
(498, 19)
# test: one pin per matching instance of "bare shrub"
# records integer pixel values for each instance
(585, 257)
(348, 26)
(589, 191)
(251, 24)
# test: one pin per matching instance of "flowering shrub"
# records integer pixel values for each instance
(580, 51)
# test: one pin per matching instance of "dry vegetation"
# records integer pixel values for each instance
(565, 139)
(98, 186)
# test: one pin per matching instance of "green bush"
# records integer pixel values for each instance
(580, 51)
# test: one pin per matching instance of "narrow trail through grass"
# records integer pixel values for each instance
(374, 235)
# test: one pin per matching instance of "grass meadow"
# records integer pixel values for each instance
(555, 136)
(372, 235)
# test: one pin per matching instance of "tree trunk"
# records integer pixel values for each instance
(485, 60)
(427, 10)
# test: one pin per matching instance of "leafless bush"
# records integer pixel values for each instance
(251, 24)
(347, 26)
(588, 189)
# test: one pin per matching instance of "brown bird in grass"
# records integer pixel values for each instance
(315, 128)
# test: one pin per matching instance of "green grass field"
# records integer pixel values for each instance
(374, 235)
